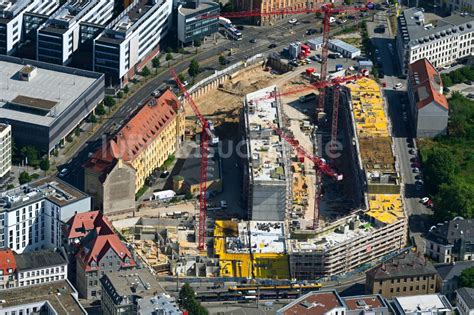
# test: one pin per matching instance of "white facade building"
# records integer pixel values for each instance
(450, 40)
(456, 5)
(31, 216)
(62, 34)
(465, 301)
(11, 19)
(132, 39)
(5, 149)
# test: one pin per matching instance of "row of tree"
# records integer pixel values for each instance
(447, 165)
(458, 76)
(187, 301)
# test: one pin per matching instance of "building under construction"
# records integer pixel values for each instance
(380, 227)
(267, 184)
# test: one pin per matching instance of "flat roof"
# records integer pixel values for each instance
(266, 153)
(343, 231)
(134, 282)
(318, 41)
(60, 295)
(364, 302)
(50, 91)
(265, 237)
(420, 303)
(202, 6)
(49, 188)
(4, 127)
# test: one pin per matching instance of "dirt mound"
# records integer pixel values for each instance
(241, 84)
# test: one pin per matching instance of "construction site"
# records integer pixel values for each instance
(298, 208)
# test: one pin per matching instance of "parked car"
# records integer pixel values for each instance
(468, 82)
(272, 45)
(293, 21)
(425, 199)
(240, 27)
(398, 86)
(164, 174)
(411, 151)
(311, 31)
(63, 172)
(253, 40)
(416, 170)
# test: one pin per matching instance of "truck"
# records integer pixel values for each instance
(339, 67)
(164, 195)
(332, 19)
(307, 97)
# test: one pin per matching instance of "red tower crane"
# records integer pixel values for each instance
(320, 166)
(205, 134)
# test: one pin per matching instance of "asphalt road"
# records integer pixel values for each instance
(402, 132)
(281, 34)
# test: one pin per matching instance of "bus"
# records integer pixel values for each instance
(232, 32)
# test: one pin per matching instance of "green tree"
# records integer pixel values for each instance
(30, 153)
(318, 15)
(457, 76)
(194, 68)
(126, 89)
(186, 296)
(347, 2)
(447, 82)
(145, 71)
(100, 110)
(466, 279)
(197, 43)
(69, 138)
(10, 186)
(454, 200)
(440, 168)
(77, 132)
(222, 60)
(44, 165)
(181, 77)
(155, 62)
(109, 101)
(169, 50)
(468, 73)
(93, 119)
(169, 57)
(120, 94)
(24, 178)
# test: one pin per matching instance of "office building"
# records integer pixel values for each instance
(69, 27)
(5, 150)
(456, 5)
(267, 187)
(465, 301)
(32, 215)
(13, 26)
(100, 251)
(449, 276)
(331, 303)
(115, 173)
(429, 107)
(132, 40)
(197, 19)
(59, 298)
(404, 275)
(273, 5)
(451, 241)
(44, 103)
(135, 292)
(35, 17)
(429, 304)
(449, 41)
(43, 266)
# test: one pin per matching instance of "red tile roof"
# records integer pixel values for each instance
(99, 246)
(137, 133)
(82, 223)
(7, 261)
(314, 303)
(427, 84)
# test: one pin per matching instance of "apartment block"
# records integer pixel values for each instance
(44, 103)
(32, 215)
(135, 292)
(115, 173)
(132, 39)
(465, 301)
(101, 251)
(12, 22)
(267, 186)
(429, 106)
(274, 5)
(456, 5)
(69, 27)
(451, 241)
(48, 298)
(449, 276)
(5, 150)
(404, 275)
(442, 44)
(27, 269)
